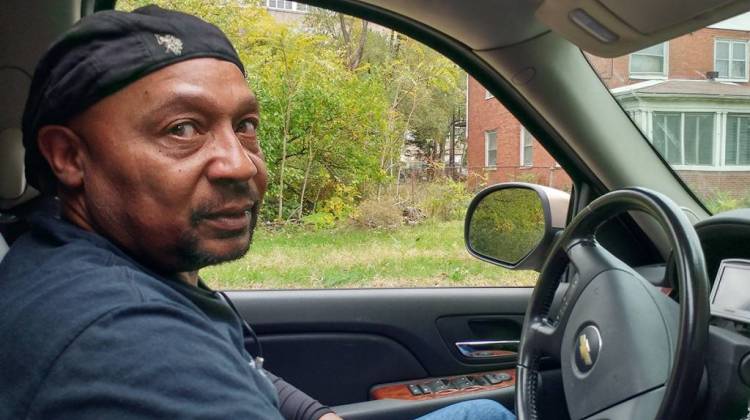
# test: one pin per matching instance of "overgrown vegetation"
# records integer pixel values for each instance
(427, 255)
(507, 224)
(721, 201)
(373, 213)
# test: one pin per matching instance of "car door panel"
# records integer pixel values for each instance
(339, 368)
(337, 344)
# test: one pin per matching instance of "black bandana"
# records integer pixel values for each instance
(102, 54)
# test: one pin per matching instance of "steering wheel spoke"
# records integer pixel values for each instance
(546, 338)
(586, 259)
(589, 258)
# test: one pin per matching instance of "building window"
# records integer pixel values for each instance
(650, 62)
(286, 5)
(684, 138)
(527, 148)
(731, 59)
(698, 139)
(490, 148)
(737, 148)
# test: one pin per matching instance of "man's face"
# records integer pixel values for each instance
(173, 171)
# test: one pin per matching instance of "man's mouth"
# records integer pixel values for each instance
(229, 218)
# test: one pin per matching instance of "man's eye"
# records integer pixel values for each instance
(246, 127)
(183, 129)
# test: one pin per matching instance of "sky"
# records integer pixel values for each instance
(739, 22)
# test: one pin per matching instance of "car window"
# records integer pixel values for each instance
(691, 99)
(375, 145)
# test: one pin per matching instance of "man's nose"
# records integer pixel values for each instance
(230, 160)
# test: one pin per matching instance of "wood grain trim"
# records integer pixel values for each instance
(400, 391)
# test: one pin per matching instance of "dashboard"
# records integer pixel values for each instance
(725, 239)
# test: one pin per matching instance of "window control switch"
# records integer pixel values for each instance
(461, 383)
(479, 380)
(415, 389)
(496, 378)
(438, 386)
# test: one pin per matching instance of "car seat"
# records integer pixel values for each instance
(13, 188)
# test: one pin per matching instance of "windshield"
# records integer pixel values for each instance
(691, 99)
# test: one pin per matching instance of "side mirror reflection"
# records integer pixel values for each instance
(507, 224)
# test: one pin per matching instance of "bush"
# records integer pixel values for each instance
(529, 177)
(721, 201)
(319, 220)
(342, 203)
(444, 200)
(374, 213)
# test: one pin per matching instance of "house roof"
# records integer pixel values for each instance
(693, 88)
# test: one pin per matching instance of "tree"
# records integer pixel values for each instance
(424, 88)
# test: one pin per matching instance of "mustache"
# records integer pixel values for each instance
(239, 195)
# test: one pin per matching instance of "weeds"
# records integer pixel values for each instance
(426, 255)
(721, 201)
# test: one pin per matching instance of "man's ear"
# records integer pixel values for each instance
(64, 151)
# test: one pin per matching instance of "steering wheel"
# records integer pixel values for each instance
(625, 350)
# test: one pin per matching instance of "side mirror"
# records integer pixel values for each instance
(514, 224)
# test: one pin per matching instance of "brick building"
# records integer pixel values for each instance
(690, 96)
(499, 149)
(287, 11)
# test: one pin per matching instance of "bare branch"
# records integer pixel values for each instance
(357, 56)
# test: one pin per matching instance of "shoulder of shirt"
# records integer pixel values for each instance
(141, 319)
(81, 269)
(58, 305)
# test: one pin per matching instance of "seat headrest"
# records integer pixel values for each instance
(12, 179)
(13, 187)
(14, 84)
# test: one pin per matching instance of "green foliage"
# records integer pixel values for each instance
(529, 177)
(342, 203)
(319, 220)
(445, 200)
(721, 201)
(507, 224)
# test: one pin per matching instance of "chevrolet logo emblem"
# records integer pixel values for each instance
(584, 348)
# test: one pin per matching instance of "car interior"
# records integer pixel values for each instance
(630, 230)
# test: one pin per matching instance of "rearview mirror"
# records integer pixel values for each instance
(513, 224)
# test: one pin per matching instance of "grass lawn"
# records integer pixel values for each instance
(427, 255)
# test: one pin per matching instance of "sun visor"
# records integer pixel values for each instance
(611, 28)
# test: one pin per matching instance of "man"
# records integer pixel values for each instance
(142, 124)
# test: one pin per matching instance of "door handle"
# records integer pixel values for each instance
(488, 349)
